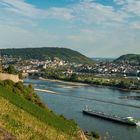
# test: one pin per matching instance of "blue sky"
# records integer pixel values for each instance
(51, 3)
(96, 28)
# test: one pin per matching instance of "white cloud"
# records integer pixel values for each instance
(87, 36)
(20, 7)
(135, 25)
(133, 6)
(87, 9)
(91, 12)
(15, 37)
(88, 26)
(120, 2)
(130, 6)
(59, 13)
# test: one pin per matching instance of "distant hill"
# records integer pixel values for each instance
(48, 53)
(102, 59)
(131, 58)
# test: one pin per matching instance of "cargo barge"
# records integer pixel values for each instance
(127, 120)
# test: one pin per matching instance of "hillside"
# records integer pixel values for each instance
(131, 58)
(25, 119)
(48, 53)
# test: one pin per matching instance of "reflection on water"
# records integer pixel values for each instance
(71, 101)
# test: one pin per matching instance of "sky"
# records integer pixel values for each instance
(96, 28)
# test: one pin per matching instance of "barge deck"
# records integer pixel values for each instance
(127, 120)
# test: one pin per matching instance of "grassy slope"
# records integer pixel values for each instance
(26, 120)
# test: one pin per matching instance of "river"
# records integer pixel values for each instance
(70, 99)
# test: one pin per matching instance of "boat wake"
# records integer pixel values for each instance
(138, 123)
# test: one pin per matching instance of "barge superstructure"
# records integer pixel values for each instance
(123, 120)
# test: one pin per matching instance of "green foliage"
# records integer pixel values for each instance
(20, 76)
(1, 67)
(125, 83)
(74, 77)
(53, 73)
(131, 58)
(92, 135)
(42, 114)
(95, 135)
(23, 91)
(11, 70)
(48, 53)
(122, 83)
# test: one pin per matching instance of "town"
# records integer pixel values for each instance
(100, 68)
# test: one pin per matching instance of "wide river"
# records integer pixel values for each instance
(70, 99)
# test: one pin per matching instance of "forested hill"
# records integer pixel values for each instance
(131, 58)
(48, 53)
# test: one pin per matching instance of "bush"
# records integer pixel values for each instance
(95, 135)
(11, 70)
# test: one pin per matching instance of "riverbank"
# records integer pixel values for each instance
(74, 84)
(64, 82)
(116, 88)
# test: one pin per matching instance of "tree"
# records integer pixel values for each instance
(1, 69)
(11, 70)
(20, 75)
(74, 77)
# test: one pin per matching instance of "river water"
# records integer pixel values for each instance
(71, 99)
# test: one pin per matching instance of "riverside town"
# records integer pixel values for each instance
(69, 69)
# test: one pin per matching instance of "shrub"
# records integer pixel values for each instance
(95, 135)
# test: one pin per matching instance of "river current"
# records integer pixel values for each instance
(70, 99)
